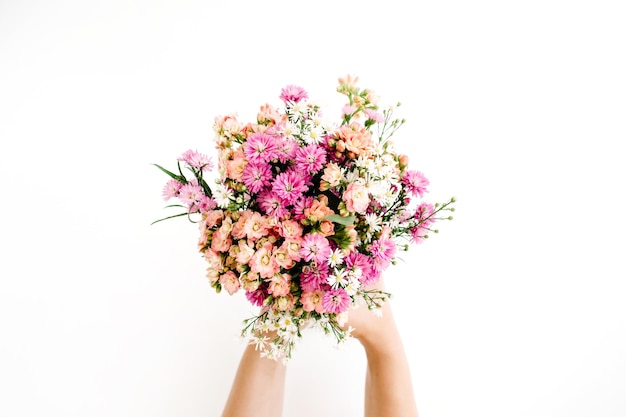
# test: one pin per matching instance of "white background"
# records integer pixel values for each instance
(515, 308)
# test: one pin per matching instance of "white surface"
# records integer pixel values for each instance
(514, 309)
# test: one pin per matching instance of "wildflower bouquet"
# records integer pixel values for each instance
(305, 214)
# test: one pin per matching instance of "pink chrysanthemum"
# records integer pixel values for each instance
(171, 189)
(383, 248)
(424, 213)
(315, 248)
(285, 149)
(383, 251)
(418, 233)
(359, 261)
(312, 278)
(374, 115)
(310, 158)
(260, 148)
(271, 204)
(257, 297)
(300, 207)
(293, 94)
(290, 185)
(415, 182)
(336, 301)
(256, 176)
(205, 204)
(190, 194)
(196, 160)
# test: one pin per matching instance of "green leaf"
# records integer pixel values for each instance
(171, 174)
(345, 220)
(169, 217)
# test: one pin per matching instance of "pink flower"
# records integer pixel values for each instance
(356, 197)
(293, 93)
(263, 263)
(292, 246)
(257, 176)
(256, 226)
(374, 115)
(347, 110)
(383, 250)
(310, 158)
(283, 259)
(336, 301)
(285, 149)
(190, 194)
(312, 301)
(206, 204)
(424, 213)
(313, 278)
(257, 297)
(271, 204)
(196, 160)
(260, 148)
(415, 182)
(279, 285)
(284, 303)
(357, 261)
(418, 233)
(289, 186)
(171, 189)
(230, 282)
(300, 207)
(290, 229)
(315, 248)
(245, 253)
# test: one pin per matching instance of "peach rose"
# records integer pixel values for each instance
(356, 198)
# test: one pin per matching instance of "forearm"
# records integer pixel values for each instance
(388, 384)
(258, 387)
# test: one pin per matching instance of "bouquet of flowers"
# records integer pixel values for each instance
(305, 214)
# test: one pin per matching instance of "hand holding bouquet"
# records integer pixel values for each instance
(305, 214)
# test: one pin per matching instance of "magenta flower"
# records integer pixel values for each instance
(196, 160)
(293, 94)
(336, 301)
(260, 148)
(424, 213)
(312, 278)
(256, 176)
(315, 248)
(290, 185)
(415, 182)
(300, 206)
(383, 251)
(258, 296)
(271, 204)
(285, 149)
(310, 158)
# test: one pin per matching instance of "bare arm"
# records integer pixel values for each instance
(258, 387)
(388, 384)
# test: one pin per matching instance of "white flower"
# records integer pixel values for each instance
(314, 135)
(373, 222)
(353, 286)
(354, 176)
(339, 278)
(290, 129)
(223, 195)
(288, 324)
(335, 258)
